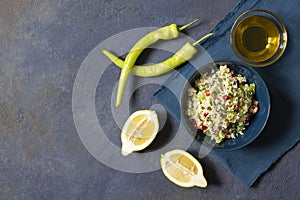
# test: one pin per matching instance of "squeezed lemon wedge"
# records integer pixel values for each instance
(183, 169)
(139, 131)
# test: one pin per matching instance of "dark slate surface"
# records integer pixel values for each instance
(42, 45)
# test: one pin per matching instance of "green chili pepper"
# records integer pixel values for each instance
(181, 56)
(164, 33)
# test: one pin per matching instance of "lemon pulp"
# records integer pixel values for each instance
(183, 169)
(139, 131)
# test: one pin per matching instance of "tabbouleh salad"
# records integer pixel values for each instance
(221, 104)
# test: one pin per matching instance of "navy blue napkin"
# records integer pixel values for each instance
(282, 131)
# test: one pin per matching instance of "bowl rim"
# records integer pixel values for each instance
(282, 31)
(216, 147)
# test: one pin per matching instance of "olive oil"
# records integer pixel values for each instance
(257, 38)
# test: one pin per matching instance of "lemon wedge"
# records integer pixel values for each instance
(183, 169)
(139, 131)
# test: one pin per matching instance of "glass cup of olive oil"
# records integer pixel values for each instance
(258, 37)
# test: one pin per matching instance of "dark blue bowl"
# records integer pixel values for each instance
(257, 123)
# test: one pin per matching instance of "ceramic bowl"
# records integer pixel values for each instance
(257, 123)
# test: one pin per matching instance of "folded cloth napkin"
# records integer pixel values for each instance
(282, 78)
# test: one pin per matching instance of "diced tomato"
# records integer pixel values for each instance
(205, 114)
(226, 135)
(203, 127)
(247, 122)
(254, 109)
(226, 97)
(207, 93)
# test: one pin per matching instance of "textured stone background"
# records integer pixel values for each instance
(42, 45)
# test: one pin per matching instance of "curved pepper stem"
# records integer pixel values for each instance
(203, 38)
(187, 25)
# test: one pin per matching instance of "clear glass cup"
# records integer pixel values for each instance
(258, 37)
